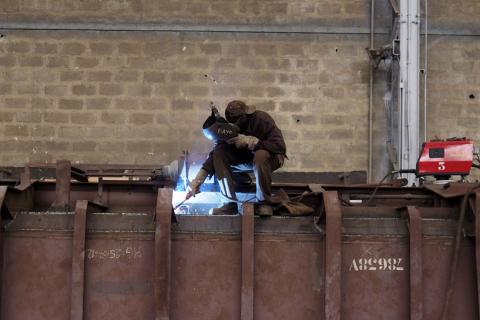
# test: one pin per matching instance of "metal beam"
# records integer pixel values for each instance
(163, 247)
(248, 257)
(62, 186)
(333, 256)
(3, 193)
(78, 260)
(416, 263)
(298, 29)
(236, 28)
(409, 85)
(477, 242)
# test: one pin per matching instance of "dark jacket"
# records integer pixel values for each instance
(260, 125)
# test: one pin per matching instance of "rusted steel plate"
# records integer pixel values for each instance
(378, 270)
(451, 190)
(162, 281)
(333, 256)
(121, 198)
(62, 188)
(416, 264)
(247, 263)
(206, 277)
(119, 279)
(289, 278)
(78, 261)
(397, 212)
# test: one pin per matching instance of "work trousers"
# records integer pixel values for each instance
(227, 157)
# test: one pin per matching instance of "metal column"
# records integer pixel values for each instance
(333, 256)
(78, 260)
(163, 248)
(248, 258)
(3, 193)
(409, 85)
(416, 264)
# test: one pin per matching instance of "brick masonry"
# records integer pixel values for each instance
(147, 94)
(203, 12)
(141, 97)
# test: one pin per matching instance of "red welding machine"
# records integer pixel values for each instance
(445, 158)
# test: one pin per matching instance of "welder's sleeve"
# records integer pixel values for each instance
(208, 164)
(272, 138)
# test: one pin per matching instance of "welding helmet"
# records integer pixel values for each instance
(216, 128)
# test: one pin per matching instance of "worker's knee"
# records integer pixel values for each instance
(261, 157)
(221, 153)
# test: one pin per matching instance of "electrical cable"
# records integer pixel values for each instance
(379, 185)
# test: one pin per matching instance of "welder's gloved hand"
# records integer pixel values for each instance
(195, 184)
(243, 141)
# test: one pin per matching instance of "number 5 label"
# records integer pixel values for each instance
(441, 165)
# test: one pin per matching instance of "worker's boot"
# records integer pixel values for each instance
(264, 210)
(229, 208)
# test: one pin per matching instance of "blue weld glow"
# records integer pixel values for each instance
(209, 197)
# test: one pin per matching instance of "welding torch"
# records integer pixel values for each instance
(188, 196)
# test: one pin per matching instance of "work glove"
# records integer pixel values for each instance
(243, 141)
(194, 186)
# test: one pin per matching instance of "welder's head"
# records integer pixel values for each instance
(237, 112)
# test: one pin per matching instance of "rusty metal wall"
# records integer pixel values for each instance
(368, 252)
(206, 273)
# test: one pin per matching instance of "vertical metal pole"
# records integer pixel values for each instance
(409, 84)
(333, 256)
(416, 264)
(163, 247)
(477, 242)
(248, 235)
(370, 94)
(3, 193)
(62, 186)
(78, 260)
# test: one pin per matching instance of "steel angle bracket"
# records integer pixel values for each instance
(163, 253)
(78, 260)
(333, 255)
(416, 263)
(248, 261)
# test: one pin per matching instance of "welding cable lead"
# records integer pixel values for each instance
(195, 184)
(242, 141)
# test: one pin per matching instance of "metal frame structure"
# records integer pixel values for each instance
(423, 234)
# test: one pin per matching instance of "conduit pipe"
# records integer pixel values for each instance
(370, 95)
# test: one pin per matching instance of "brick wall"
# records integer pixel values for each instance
(142, 98)
(454, 87)
(303, 12)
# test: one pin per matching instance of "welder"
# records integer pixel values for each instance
(258, 146)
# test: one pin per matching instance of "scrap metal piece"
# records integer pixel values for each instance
(79, 174)
(416, 263)
(451, 190)
(62, 186)
(247, 262)
(163, 248)
(333, 256)
(78, 261)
